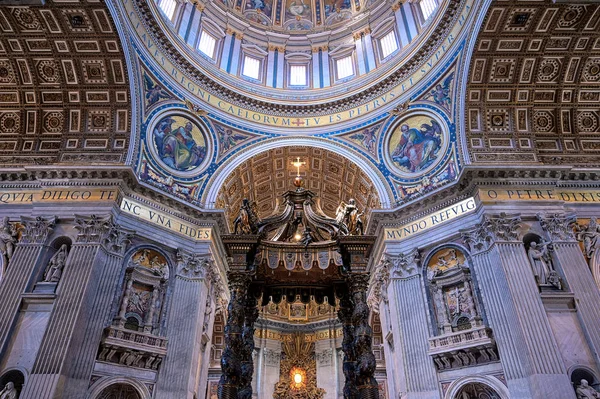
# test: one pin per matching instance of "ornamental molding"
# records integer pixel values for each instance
(493, 228)
(379, 282)
(92, 229)
(193, 266)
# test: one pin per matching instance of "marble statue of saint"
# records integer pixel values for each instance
(590, 237)
(8, 239)
(9, 391)
(442, 316)
(538, 257)
(585, 391)
(56, 265)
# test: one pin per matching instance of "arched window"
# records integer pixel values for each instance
(477, 390)
(427, 8)
(124, 391)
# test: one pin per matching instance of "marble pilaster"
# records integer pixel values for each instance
(527, 347)
(178, 374)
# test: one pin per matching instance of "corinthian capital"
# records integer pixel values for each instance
(404, 265)
(36, 230)
(92, 229)
(193, 266)
(558, 226)
(502, 227)
(117, 239)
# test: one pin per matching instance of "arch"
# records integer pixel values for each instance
(486, 380)
(376, 177)
(106, 382)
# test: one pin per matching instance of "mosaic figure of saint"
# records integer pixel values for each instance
(177, 143)
(417, 148)
(333, 6)
(298, 8)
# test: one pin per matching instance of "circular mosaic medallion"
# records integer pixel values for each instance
(416, 145)
(178, 142)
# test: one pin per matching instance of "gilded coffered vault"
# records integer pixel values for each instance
(64, 86)
(532, 93)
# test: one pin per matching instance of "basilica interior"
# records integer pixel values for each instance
(299, 199)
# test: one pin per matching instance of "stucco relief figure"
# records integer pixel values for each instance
(9, 391)
(349, 216)
(245, 223)
(8, 239)
(417, 149)
(590, 236)
(56, 265)
(541, 263)
(585, 391)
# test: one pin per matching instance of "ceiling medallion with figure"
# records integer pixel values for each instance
(179, 144)
(416, 145)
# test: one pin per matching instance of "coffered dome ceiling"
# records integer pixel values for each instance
(265, 177)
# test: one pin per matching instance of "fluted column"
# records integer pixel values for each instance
(19, 272)
(177, 377)
(528, 350)
(578, 275)
(231, 366)
(410, 311)
(62, 341)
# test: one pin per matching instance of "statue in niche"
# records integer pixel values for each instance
(541, 263)
(245, 223)
(440, 307)
(56, 265)
(585, 391)
(350, 217)
(8, 239)
(590, 236)
(9, 391)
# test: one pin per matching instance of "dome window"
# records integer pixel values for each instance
(251, 67)
(344, 67)
(168, 7)
(389, 44)
(297, 75)
(427, 8)
(207, 44)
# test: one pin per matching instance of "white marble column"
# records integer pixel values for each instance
(325, 357)
(406, 22)
(227, 51)
(528, 350)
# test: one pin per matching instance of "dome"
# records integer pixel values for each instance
(303, 53)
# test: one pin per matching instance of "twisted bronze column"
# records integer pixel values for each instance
(251, 314)
(231, 360)
(345, 316)
(364, 370)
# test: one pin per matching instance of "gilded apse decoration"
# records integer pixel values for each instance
(416, 145)
(179, 143)
(298, 371)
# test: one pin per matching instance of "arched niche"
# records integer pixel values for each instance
(579, 373)
(477, 387)
(52, 264)
(543, 262)
(15, 376)
(118, 388)
(452, 293)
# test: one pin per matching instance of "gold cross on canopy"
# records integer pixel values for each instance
(297, 163)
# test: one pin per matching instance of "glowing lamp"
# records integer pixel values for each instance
(298, 378)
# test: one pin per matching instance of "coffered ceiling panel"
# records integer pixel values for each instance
(534, 85)
(64, 86)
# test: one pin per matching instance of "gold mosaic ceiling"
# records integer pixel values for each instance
(265, 177)
(534, 85)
